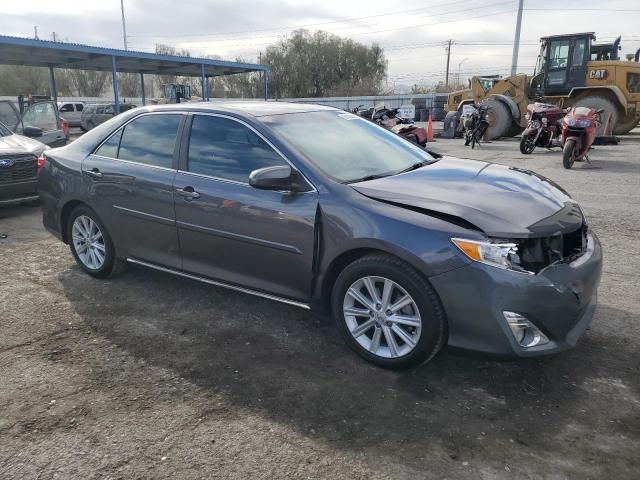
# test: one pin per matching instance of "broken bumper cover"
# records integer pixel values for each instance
(560, 301)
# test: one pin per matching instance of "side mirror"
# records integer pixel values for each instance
(280, 177)
(32, 132)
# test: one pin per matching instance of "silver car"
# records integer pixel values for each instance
(95, 114)
(71, 112)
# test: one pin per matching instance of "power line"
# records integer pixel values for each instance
(177, 36)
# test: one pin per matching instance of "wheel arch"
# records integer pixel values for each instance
(612, 92)
(66, 210)
(508, 101)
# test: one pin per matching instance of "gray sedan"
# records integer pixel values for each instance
(318, 208)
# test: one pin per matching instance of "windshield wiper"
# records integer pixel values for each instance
(369, 177)
(415, 166)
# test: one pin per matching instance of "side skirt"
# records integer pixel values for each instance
(221, 284)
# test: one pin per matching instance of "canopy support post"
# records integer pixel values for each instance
(203, 81)
(52, 84)
(142, 88)
(265, 79)
(114, 77)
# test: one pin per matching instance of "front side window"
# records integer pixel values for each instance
(8, 115)
(346, 147)
(578, 52)
(66, 108)
(149, 139)
(223, 148)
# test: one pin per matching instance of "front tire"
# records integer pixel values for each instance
(568, 153)
(90, 243)
(527, 143)
(388, 312)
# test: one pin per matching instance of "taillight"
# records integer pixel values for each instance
(41, 160)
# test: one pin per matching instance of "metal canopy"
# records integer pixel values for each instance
(43, 53)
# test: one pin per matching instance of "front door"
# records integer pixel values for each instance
(130, 179)
(232, 232)
(43, 115)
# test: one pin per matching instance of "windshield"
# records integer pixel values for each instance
(346, 147)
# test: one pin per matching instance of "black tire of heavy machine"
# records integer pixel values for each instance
(451, 124)
(567, 153)
(597, 102)
(503, 119)
(625, 125)
(527, 143)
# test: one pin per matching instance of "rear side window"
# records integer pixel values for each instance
(100, 109)
(110, 147)
(79, 107)
(227, 149)
(150, 139)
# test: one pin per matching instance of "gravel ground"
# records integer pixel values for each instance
(151, 376)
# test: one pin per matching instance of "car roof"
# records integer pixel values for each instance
(250, 108)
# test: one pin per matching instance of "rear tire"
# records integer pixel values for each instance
(568, 151)
(85, 231)
(527, 143)
(502, 119)
(597, 102)
(420, 332)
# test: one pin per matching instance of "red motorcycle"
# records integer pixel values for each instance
(543, 128)
(578, 133)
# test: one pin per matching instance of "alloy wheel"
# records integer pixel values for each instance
(382, 317)
(88, 242)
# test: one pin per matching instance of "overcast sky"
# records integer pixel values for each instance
(412, 32)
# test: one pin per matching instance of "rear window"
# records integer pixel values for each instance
(148, 139)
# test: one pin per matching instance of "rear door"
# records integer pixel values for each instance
(130, 179)
(231, 231)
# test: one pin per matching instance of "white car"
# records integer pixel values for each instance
(71, 112)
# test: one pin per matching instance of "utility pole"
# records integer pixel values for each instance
(460, 65)
(54, 36)
(35, 32)
(516, 40)
(446, 78)
(124, 29)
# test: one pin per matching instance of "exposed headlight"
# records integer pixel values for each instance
(497, 254)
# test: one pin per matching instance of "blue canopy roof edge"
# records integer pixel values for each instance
(44, 46)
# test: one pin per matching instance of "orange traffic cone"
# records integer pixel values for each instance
(430, 129)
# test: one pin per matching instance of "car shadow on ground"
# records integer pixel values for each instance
(291, 366)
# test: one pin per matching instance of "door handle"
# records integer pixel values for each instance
(94, 173)
(188, 193)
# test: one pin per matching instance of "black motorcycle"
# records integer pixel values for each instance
(475, 125)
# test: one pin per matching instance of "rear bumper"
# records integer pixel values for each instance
(560, 300)
(18, 192)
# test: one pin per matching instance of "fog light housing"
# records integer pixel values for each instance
(525, 333)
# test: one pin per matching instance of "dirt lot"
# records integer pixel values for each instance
(151, 376)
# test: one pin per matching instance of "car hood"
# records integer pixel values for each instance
(501, 201)
(15, 144)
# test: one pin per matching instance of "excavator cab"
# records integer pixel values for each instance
(176, 93)
(562, 64)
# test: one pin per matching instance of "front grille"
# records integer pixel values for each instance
(25, 168)
(538, 253)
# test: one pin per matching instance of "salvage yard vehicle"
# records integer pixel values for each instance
(578, 133)
(97, 113)
(20, 161)
(571, 71)
(544, 123)
(318, 208)
(40, 119)
(71, 112)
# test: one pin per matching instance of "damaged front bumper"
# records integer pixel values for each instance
(559, 300)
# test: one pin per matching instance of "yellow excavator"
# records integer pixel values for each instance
(572, 70)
